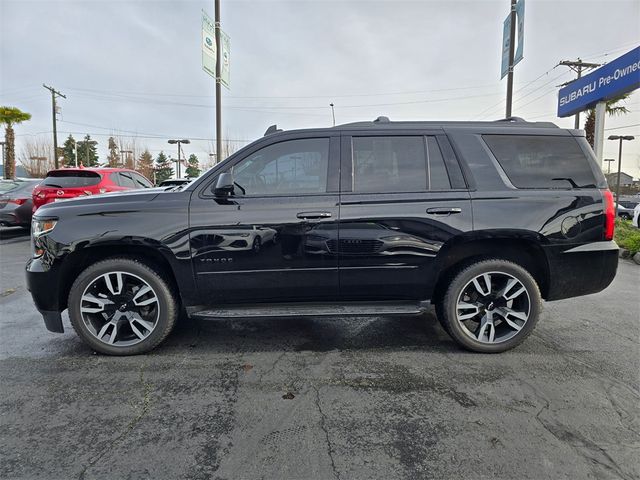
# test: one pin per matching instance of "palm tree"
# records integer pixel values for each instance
(612, 109)
(11, 116)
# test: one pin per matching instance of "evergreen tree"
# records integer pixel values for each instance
(193, 168)
(113, 159)
(88, 152)
(164, 170)
(145, 165)
(69, 152)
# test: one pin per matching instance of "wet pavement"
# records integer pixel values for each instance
(323, 398)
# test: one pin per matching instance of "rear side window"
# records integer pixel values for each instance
(536, 161)
(66, 179)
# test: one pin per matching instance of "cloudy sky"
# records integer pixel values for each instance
(133, 68)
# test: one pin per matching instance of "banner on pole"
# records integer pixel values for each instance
(208, 45)
(225, 68)
(520, 32)
(506, 41)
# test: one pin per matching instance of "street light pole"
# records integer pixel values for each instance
(512, 46)
(620, 138)
(333, 114)
(609, 160)
(179, 142)
(218, 79)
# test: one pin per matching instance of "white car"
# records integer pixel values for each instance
(636, 216)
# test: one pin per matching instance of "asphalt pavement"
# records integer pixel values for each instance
(361, 398)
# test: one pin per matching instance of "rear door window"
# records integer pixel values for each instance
(73, 179)
(538, 161)
(388, 164)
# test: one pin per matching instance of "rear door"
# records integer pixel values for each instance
(403, 197)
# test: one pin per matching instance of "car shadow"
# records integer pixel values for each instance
(309, 334)
(10, 233)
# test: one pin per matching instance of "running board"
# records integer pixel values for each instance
(273, 310)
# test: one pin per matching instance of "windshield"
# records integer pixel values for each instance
(7, 186)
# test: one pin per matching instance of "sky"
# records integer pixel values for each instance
(133, 68)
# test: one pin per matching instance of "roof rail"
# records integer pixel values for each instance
(511, 119)
(272, 129)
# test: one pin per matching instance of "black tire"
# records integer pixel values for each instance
(447, 309)
(167, 302)
(257, 244)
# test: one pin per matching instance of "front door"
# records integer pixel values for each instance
(256, 245)
(403, 198)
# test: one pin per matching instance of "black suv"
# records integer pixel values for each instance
(482, 219)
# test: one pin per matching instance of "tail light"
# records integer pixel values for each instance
(609, 215)
(17, 201)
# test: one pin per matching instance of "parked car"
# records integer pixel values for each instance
(15, 202)
(636, 216)
(67, 183)
(625, 208)
(484, 220)
(174, 182)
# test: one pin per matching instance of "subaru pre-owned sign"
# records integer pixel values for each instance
(615, 78)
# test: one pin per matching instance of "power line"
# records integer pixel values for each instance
(624, 126)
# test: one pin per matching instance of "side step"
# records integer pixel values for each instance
(275, 310)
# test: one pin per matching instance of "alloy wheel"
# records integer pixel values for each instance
(119, 308)
(493, 307)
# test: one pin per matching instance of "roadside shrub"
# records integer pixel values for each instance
(627, 236)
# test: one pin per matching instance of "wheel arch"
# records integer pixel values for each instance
(522, 248)
(80, 259)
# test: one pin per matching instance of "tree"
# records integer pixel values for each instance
(145, 165)
(10, 116)
(69, 152)
(164, 170)
(612, 109)
(193, 168)
(88, 152)
(37, 155)
(113, 159)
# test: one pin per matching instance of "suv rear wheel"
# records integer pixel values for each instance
(120, 306)
(491, 306)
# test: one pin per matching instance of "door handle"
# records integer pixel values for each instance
(443, 210)
(313, 215)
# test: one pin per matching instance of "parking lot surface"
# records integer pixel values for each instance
(323, 399)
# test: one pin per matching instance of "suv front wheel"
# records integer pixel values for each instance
(120, 306)
(491, 306)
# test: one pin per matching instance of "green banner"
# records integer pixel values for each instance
(225, 71)
(208, 45)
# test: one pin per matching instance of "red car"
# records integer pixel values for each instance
(66, 183)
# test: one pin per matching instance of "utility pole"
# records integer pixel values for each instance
(333, 114)
(54, 94)
(512, 49)
(218, 85)
(577, 66)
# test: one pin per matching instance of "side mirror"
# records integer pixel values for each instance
(224, 185)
